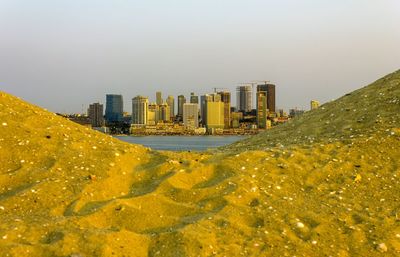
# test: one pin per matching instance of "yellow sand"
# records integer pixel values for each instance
(324, 185)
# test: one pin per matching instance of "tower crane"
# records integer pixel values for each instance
(219, 88)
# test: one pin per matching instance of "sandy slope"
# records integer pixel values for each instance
(324, 185)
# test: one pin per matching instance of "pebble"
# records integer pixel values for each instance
(300, 225)
(382, 247)
(4, 124)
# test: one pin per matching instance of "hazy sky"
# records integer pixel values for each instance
(65, 54)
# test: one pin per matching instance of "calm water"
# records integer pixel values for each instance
(181, 143)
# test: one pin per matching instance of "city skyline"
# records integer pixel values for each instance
(62, 54)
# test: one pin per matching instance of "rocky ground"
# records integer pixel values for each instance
(326, 184)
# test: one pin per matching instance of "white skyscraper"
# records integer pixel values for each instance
(140, 107)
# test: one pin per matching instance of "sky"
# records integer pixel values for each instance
(65, 54)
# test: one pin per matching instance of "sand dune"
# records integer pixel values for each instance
(326, 184)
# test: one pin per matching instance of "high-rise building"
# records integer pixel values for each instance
(171, 103)
(194, 99)
(114, 108)
(202, 109)
(270, 90)
(159, 100)
(261, 104)
(95, 113)
(236, 117)
(314, 104)
(181, 101)
(213, 112)
(153, 114)
(140, 106)
(226, 99)
(244, 98)
(164, 114)
(271, 104)
(191, 115)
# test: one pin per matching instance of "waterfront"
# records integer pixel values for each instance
(181, 143)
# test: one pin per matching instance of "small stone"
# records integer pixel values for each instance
(382, 248)
(300, 224)
(4, 124)
(357, 178)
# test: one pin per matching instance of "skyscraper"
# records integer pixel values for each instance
(114, 108)
(271, 98)
(194, 99)
(95, 113)
(164, 114)
(262, 103)
(213, 112)
(153, 114)
(171, 103)
(226, 99)
(159, 100)
(191, 115)
(140, 107)
(181, 101)
(270, 90)
(244, 98)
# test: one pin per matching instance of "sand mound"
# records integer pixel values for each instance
(362, 112)
(324, 185)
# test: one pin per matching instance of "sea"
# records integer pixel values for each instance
(181, 143)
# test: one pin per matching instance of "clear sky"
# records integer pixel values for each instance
(62, 54)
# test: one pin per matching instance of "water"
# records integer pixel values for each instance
(181, 143)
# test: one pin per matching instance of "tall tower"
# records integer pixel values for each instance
(262, 103)
(271, 98)
(181, 101)
(95, 113)
(159, 100)
(114, 108)
(226, 99)
(140, 106)
(194, 99)
(164, 110)
(153, 114)
(213, 112)
(244, 98)
(191, 115)
(171, 103)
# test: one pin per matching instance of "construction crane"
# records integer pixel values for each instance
(219, 88)
(250, 83)
(258, 82)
